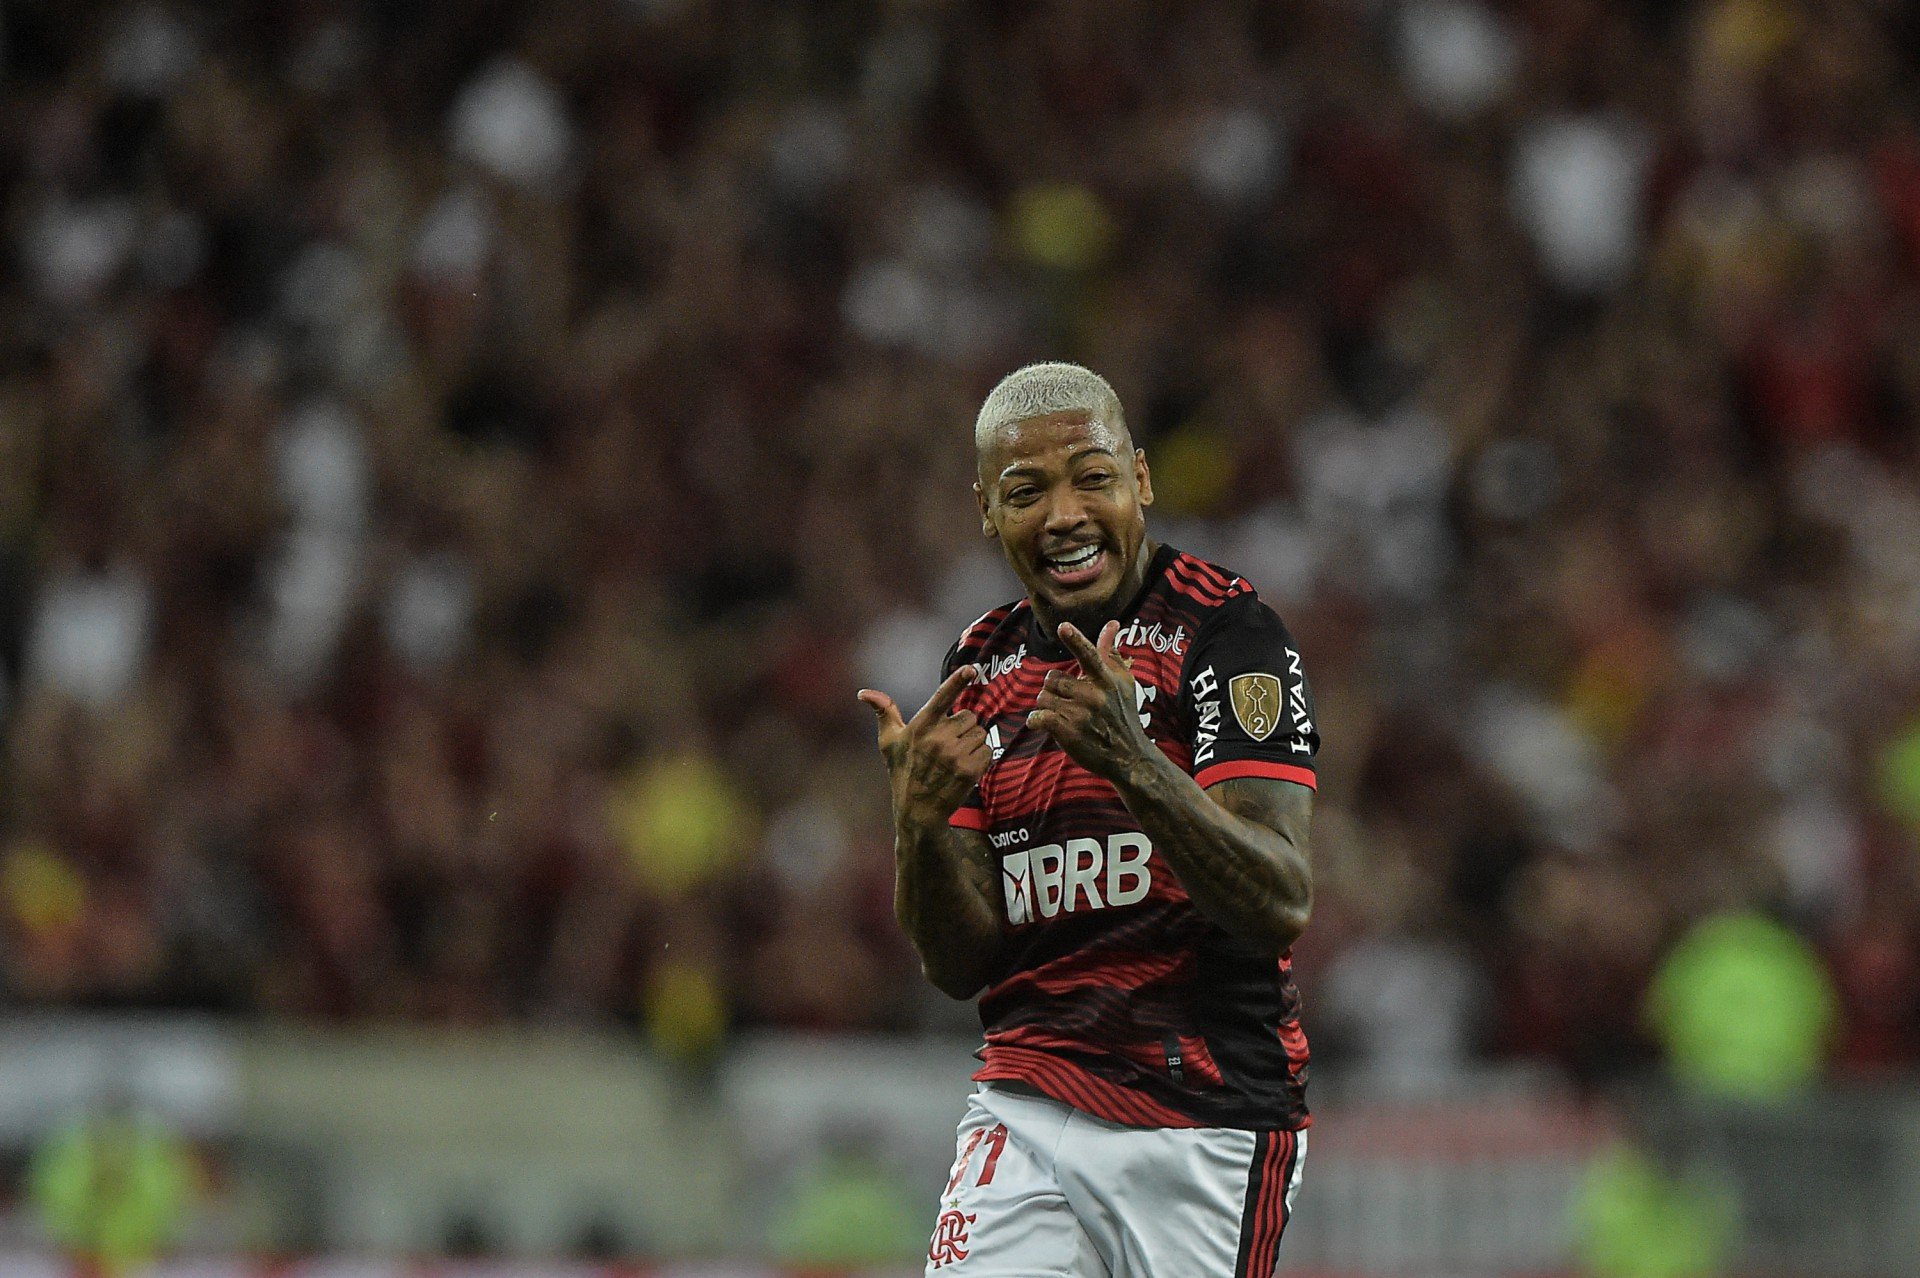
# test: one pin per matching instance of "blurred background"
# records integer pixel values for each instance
(459, 457)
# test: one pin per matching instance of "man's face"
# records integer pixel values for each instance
(1066, 494)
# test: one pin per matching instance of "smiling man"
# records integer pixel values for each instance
(1101, 822)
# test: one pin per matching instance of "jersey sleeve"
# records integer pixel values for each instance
(972, 812)
(1246, 700)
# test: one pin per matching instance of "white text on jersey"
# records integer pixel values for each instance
(1297, 703)
(994, 667)
(1144, 695)
(1155, 637)
(1206, 715)
(1053, 879)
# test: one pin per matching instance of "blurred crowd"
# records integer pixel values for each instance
(459, 457)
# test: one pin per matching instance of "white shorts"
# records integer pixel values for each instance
(1041, 1190)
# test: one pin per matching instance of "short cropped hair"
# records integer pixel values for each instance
(1040, 389)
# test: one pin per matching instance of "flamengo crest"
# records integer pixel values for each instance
(1256, 703)
(950, 1237)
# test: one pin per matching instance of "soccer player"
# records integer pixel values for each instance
(1100, 826)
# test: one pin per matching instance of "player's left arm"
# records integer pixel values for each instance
(1285, 809)
(1239, 847)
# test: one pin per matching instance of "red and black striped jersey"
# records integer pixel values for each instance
(1114, 994)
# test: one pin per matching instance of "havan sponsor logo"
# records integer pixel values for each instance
(1206, 715)
(1081, 874)
(1297, 703)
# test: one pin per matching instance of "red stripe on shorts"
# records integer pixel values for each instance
(1250, 1213)
(1264, 1218)
(1277, 1215)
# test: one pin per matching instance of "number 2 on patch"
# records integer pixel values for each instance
(995, 1139)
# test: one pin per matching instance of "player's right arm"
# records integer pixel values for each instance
(946, 889)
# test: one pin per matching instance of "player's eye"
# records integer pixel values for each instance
(1022, 495)
(1095, 478)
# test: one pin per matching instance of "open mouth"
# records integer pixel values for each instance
(1075, 567)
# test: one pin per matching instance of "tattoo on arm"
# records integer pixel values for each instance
(1240, 848)
(947, 897)
(979, 863)
(1287, 810)
(1280, 806)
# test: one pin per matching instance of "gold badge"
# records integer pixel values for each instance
(1256, 703)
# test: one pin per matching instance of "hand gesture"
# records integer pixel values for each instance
(1096, 717)
(935, 758)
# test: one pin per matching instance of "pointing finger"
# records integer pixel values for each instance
(945, 695)
(1109, 636)
(885, 712)
(1081, 648)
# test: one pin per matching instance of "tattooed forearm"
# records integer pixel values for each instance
(1286, 810)
(1240, 849)
(946, 893)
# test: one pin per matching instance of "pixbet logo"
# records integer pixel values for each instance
(1155, 637)
(1056, 879)
(997, 667)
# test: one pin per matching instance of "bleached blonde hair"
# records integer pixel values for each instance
(1040, 389)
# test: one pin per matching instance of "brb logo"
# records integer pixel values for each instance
(1052, 879)
(950, 1238)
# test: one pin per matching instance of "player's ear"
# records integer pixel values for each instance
(1142, 477)
(986, 522)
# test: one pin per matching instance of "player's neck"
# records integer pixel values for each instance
(1088, 621)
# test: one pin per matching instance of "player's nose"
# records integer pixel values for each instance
(1065, 513)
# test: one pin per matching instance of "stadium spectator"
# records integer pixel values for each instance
(114, 1188)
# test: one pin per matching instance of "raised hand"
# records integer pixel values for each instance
(1094, 717)
(935, 758)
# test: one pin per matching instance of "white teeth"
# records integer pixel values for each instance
(1079, 559)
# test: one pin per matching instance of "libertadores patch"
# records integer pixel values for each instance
(1256, 701)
